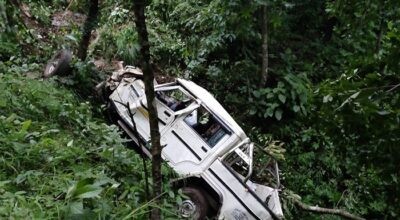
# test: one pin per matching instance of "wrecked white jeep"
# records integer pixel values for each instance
(202, 143)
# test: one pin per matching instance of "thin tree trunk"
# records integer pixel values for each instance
(8, 10)
(89, 25)
(148, 74)
(379, 36)
(264, 33)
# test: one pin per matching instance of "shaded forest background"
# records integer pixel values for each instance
(331, 96)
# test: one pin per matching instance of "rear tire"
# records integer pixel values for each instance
(196, 206)
(58, 64)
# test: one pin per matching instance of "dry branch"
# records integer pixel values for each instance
(322, 210)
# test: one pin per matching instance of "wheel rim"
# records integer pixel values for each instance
(188, 209)
(53, 66)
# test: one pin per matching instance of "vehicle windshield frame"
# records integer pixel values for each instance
(194, 103)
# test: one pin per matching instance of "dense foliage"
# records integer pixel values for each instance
(332, 97)
(57, 160)
(58, 156)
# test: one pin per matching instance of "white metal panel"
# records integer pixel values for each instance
(231, 185)
(215, 107)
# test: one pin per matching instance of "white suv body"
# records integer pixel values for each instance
(200, 140)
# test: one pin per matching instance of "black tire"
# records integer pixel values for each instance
(196, 206)
(58, 64)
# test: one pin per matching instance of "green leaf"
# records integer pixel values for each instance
(26, 125)
(171, 194)
(383, 112)
(179, 200)
(282, 98)
(20, 193)
(75, 208)
(327, 98)
(355, 95)
(89, 192)
(20, 178)
(252, 111)
(3, 102)
(256, 94)
(278, 114)
(348, 100)
(70, 143)
(3, 183)
(71, 37)
(269, 113)
(84, 189)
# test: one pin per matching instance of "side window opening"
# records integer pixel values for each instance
(240, 160)
(175, 99)
(206, 126)
(268, 170)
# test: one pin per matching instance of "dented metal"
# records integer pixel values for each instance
(201, 140)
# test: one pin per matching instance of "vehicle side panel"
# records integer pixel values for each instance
(238, 203)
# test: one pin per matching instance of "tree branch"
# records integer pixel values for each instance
(322, 210)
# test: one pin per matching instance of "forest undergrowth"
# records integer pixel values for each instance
(331, 96)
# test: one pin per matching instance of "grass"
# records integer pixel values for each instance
(58, 160)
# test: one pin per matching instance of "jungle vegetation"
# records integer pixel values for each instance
(319, 76)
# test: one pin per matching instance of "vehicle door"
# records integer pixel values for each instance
(174, 104)
(198, 131)
(166, 97)
(233, 171)
(134, 95)
(170, 100)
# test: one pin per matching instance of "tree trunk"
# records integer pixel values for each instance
(148, 74)
(264, 33)
(89, 25)
(379, 36)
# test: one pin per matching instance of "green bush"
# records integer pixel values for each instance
(59, 161)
